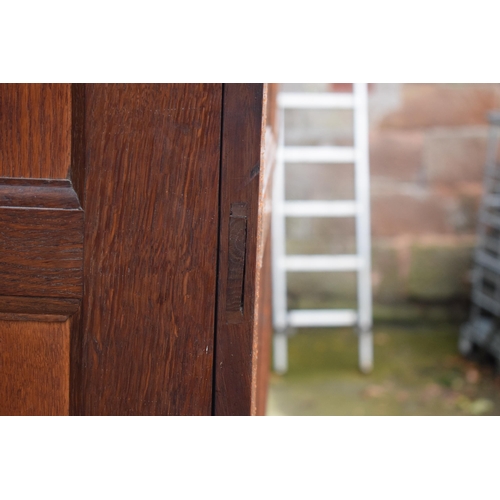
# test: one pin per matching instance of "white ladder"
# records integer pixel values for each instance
(358, 208)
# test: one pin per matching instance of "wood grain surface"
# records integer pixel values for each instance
(236, 254)
(263, 332)
(41, 252)
(144, 341)
(35, 130)
(234, 371)
(34, 368)
(263, 326)
(56, 308)
(38, 193)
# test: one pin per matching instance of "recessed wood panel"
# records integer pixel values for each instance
(41, 252)
(151, 206)
(35, 130)
(34, 368)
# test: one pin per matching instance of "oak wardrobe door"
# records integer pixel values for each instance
(134, 249)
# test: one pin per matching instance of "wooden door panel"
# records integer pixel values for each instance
(34, 369)
(35, 125)
(151, 206)
(41, 251)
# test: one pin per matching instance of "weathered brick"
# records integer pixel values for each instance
(318, 235)
(319, 182)
(440, 271)
(321, 290)
(387, 279)
(406, 213)
(431, 105)
(396, 154)
(316, 127)
(346, 87)
(340, 87)
(462, 203)
(455, 155)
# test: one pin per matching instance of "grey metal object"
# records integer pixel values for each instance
(483, 327)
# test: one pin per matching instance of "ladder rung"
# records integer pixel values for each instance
(318, 154)
(480, 279)
(320, 208)
(322, 262)
(486, 302)
(325, 317)
(489, 243)
(485, 260)
(490, 220)
(492, 201)
(320, 100)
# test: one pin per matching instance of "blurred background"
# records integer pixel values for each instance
(427, 155)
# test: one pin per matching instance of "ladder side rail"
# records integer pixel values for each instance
(363, 240)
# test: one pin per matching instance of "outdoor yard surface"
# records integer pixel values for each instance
(418, 371)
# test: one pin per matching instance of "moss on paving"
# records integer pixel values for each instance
(418, 371)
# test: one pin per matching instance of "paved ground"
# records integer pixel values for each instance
(418, 371)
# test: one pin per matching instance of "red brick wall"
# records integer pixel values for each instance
(427, 156)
